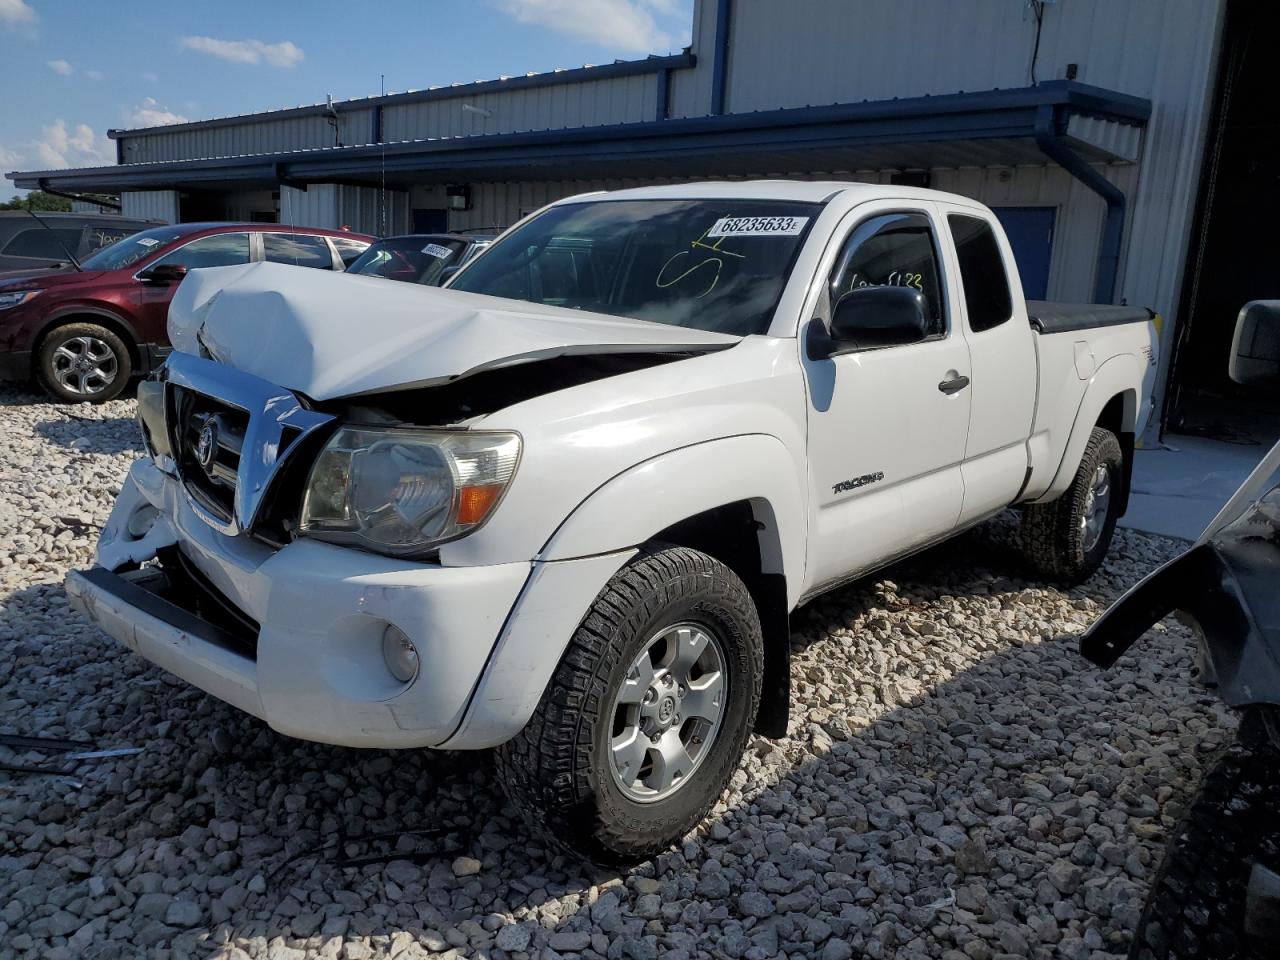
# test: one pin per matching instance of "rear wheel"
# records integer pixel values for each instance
(646, 716)
(80, 362)
(1067, 539)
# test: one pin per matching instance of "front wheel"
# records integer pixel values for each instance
(80, 362)
(648, 712)
(1067, 539)
(1215, 896)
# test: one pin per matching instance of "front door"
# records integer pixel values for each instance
(887, 426)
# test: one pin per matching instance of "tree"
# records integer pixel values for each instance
(38, 201)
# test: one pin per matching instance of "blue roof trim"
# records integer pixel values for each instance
(605, 71)
(950, 117)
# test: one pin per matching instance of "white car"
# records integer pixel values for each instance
(564, 506)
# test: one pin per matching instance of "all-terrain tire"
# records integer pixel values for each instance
(1196, 907)
(107, 365)
(1053, 534)
(558, 772)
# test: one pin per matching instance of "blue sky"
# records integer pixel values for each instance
(71, 69)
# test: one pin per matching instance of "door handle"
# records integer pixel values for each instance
(954, 385)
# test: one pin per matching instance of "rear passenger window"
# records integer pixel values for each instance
(895, 250)
(37, 242)
(349, 250)
(986, 286)
(298, 249)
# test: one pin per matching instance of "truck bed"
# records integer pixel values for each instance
(1049, 316)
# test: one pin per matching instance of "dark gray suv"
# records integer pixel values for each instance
(29, 246)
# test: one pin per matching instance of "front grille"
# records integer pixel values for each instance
(208, 440)
(230, 436)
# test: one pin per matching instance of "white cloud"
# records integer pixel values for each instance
(285, 54)
(60, 147)
(61, 67)
(151, 113)
(9, 159)
(626, 25)
(150, 77)
(95, 75)
(17, 13)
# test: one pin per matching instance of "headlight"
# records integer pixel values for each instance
(16, 298)
(402, 491)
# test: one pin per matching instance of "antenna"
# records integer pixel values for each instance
(65, 249)
(382, 192)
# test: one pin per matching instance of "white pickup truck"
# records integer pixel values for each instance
(564, 506)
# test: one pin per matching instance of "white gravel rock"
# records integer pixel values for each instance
(957, 783)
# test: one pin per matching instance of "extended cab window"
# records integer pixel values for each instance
(215, 250)
(894, 250)
(986, 286)
(298, 249)
(716, 265)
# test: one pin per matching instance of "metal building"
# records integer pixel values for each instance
(1086, 124)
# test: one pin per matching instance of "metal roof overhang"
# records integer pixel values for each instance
(998, 127)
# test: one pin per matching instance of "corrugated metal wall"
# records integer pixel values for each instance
(240, 139)
(150, 204)
(586, 103)
(317, 206)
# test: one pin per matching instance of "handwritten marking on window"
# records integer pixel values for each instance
(714, 263)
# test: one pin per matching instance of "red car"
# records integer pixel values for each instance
(83, 333)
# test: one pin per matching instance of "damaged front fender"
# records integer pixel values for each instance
(1227, 589)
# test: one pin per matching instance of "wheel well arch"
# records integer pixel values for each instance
(743, 535)
(1120, 416)
(110, 321)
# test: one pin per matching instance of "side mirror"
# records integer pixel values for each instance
(165, 274)
(871, 317)
(446, 274)
(1255, 349)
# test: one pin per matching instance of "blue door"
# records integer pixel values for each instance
(1030, 233)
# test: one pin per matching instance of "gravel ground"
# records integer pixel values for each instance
(957, 783)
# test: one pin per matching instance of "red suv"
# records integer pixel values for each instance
(83, 333)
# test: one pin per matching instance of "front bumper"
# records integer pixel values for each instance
(316, 670)
(15, 365)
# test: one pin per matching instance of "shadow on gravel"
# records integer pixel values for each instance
(954, 773)
(88, 433)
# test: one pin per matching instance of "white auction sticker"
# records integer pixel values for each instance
(758, 227)
(437, 251)
(148, 241)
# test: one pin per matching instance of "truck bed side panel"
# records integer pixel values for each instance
(1070, 362)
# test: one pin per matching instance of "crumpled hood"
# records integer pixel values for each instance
(330, 335)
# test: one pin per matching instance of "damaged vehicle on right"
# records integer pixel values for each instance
(564, 505)
(1216, 895)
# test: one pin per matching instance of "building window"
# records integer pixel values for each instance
(986, 286)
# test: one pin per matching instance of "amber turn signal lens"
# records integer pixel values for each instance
(474, 503)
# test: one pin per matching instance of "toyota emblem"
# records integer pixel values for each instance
(207, 444)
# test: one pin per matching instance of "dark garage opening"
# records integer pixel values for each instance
(1234, 256)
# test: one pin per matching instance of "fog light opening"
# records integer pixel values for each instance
(142, 520)
(400, 654)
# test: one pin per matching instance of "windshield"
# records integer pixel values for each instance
(411, 259)
(133, 248)
(715, 265)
